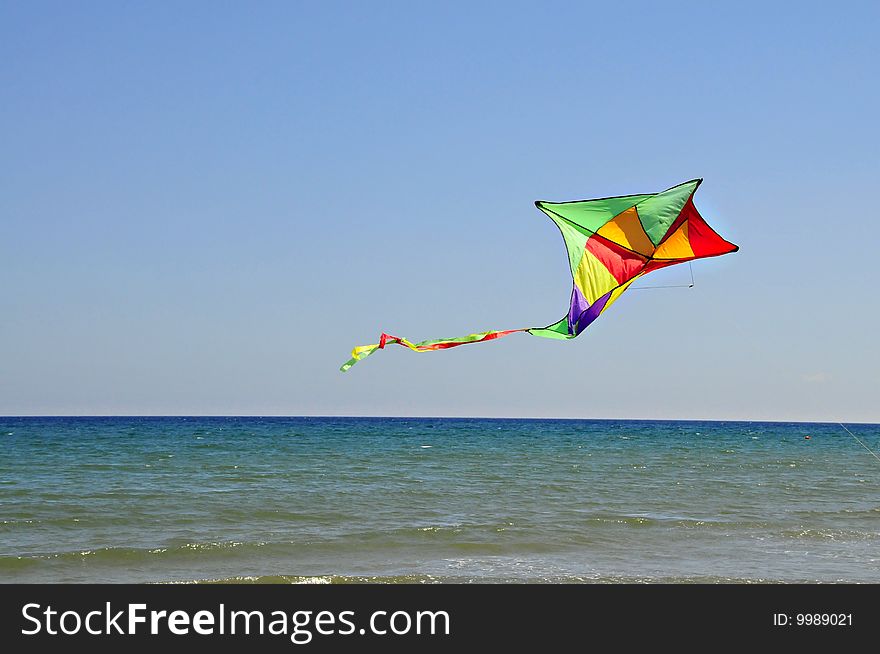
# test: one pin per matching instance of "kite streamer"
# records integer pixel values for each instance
(611, 242)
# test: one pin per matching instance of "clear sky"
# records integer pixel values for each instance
(205, 206)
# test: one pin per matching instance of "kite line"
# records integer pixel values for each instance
(648, 288)
(859, 440)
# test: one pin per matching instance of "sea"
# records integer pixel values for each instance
(432, 500)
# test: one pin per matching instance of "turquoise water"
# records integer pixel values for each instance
(354, 499)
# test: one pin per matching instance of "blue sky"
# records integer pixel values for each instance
(205, 206)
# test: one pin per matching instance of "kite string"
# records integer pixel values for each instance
(859, 440)
(648, 288)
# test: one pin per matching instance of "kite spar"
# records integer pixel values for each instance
(611, 242)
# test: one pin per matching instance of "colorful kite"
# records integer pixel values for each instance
(611, 242)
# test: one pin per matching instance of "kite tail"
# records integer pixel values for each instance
(363, 351)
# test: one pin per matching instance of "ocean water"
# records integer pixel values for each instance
(431, 500)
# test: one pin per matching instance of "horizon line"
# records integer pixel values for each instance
(428, 417)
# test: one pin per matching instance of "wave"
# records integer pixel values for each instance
(657, 520)
(447, 579)
(318, 579)
(844, 535)
(127, 554)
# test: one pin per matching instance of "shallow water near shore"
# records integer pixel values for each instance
(406, 500)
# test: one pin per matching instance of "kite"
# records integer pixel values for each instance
(611, 242)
